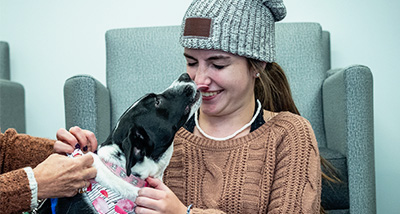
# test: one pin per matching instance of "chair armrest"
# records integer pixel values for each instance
(348, 114)
(87, 105)
(12, 106)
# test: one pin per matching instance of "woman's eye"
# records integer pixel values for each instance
(219, 67)
(190, 64)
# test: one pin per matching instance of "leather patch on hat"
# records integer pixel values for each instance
(197, 27)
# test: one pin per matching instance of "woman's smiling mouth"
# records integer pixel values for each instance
(208, 95)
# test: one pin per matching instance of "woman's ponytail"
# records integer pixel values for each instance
(272, 87)
(273, 91)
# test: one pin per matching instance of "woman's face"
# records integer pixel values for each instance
(224, 79)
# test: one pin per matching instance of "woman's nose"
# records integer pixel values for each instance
(202, 78)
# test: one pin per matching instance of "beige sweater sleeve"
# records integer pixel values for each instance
(205, 211)
(18, 151)
(296, 186)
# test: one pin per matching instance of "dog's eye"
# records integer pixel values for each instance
(157, 102)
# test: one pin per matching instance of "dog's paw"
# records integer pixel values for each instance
(131, 193)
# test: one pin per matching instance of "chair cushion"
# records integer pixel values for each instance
(335, 196)
(346, 211)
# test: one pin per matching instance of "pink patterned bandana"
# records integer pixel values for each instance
(106, 200)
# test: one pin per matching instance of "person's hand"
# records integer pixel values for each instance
(68, 141)
(158, 198)
(60, 176)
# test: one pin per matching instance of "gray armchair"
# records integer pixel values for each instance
(337, 102)
(12, 95)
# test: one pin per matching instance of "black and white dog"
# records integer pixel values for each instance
(141, 142)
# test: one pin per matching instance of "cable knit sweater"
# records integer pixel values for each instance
(18, 151)
(274, 169)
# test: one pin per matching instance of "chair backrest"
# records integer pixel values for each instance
(303, 51)
(12, 95)
(143, 60)
(139, 61)
(4, 61)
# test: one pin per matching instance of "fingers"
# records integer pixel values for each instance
(85, 187)
(139, 210)
(82, 172)
(60, 176)
(79, 134)
(76, 138)
(91, 139)
(65, 143)
(89, 173)
(85, 184)
(86, 139)
(66, 137)
(62, 148)
(147, 199)
(157, 184)
(157, 189)
(86, 161)
(151, 193)
(160, 199)
(150, 199)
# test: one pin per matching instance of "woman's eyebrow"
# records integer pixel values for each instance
(217, 57)
(188, 56)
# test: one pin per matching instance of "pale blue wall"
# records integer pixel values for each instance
(52, 40)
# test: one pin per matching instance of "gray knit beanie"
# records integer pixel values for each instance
(242, 27)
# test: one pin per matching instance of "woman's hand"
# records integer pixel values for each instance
(61, 176)
(68, 141)
(158, 199)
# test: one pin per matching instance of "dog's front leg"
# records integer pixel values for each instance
(109, 180)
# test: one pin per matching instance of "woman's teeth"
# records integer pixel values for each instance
(208, 94)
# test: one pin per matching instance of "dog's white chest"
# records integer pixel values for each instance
(117, 191)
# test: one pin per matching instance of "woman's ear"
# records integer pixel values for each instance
(255, 66)
(264, 64)
(260, 67)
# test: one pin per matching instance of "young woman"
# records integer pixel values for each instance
(247, 150)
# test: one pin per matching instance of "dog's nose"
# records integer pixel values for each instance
(184, 78)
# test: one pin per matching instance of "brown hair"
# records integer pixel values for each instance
(273, 90)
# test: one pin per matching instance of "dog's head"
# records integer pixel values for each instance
(147, 128)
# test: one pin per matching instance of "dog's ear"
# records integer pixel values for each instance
(132, 149)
